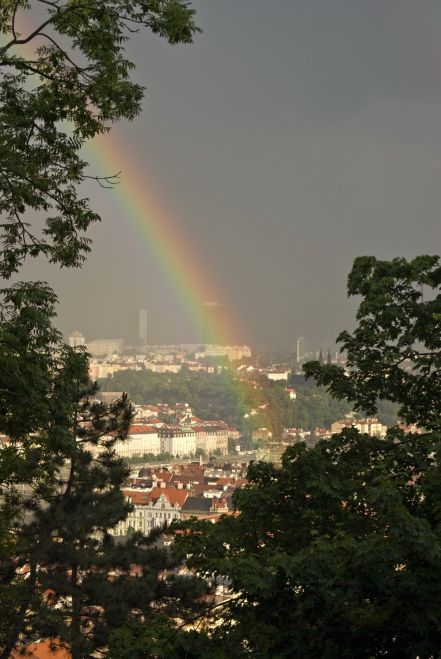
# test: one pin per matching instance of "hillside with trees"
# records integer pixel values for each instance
(224, 396)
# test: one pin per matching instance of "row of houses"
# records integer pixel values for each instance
(369, 426)
(160, 497)
(161, 507)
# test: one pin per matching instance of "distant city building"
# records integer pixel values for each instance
(212, 322)
(162, 367)
(277, 376)
(105, 347)
(212, 438)
(178, 441)
(159, 507)
(299, 349)
(76, 339)
(141, 439)
(232, 352)
(102, 369)
(143, 327)
(370, 427)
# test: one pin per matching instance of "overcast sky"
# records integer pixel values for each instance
(291, 137)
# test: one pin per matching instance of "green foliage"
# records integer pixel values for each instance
(387, 412)
(63, 81)
(62, 575)
(335, 554)
(394, 353)
(72, 88)
(159, 638)
(223, 396)
(211, 396)
(315, 408)
(150, 457)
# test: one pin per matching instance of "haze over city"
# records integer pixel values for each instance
(290, 138)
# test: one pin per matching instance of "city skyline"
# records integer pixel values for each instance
(271, 167)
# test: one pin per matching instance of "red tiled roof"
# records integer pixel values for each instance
(137, 498)
(198, 488)
(225, 480)
(139, 429)
(175, 497)
(48, 649)
(162, 475)
(186, 478)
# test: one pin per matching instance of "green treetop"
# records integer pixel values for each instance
(337, 552)
(65, 78)
(395, 351)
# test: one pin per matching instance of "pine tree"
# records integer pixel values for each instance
(61, 574)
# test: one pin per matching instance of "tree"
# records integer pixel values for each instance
(64, 78)
(395, 351)
(336, 553)
(74, 86)
(62, 574)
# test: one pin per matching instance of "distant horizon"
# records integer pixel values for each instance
(285, 142)
(313, 345)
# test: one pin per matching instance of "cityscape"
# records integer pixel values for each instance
(162, 428)
(220, 329)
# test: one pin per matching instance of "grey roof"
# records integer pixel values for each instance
(196, 505)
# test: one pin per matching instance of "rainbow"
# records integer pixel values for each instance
(142, 208)
(145, 213)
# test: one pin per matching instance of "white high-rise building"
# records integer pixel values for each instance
(212, 322)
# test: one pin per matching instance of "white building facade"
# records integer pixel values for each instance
(159, 507)
(212, 439)
(180, 442)
(141, 439)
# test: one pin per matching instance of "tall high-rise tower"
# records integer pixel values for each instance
(212, 322)
(143, 327)
(299, 349)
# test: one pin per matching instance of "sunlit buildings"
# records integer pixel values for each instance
(105, 347)
(233, 353)
(142, 439)
(370, 427)
(212, 437)
(156, 508)
(76, 339)
(178, 441)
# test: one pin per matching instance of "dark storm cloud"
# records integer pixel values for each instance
(293, 136)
